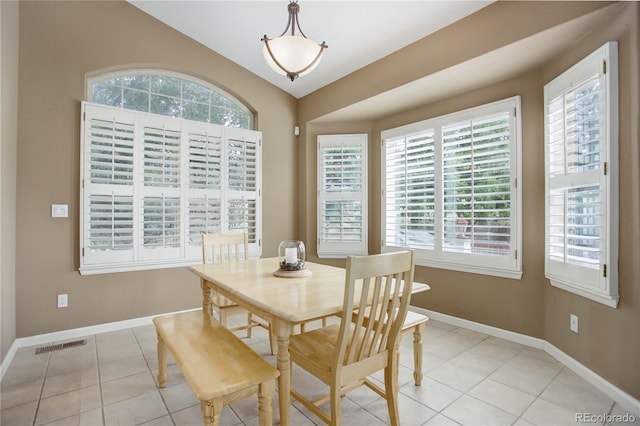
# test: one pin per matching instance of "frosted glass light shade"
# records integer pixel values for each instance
(295, 55)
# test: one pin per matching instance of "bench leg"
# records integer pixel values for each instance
(249, 324)
(162, 363)
(273, 344)
(211, 411)
(265, 398)
(417, 353)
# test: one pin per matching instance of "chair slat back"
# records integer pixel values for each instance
(375, 284)
(224, 247)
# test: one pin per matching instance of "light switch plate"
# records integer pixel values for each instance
(59, 210)
(573, 323)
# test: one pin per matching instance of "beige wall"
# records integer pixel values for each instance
(61, 42)
(609, 340)
(8, 145)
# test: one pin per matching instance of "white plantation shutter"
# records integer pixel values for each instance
(410, 191)
(476, 179)
(205, 183)
(342, 189)
(110, 226)
(205, 217)
(242, 161)
(161, 187)
(151, 185)
(108, 214)
(162, 148)
(111, 149)
(205, 158)
(450, 190)
(581, 177)
(243, 182)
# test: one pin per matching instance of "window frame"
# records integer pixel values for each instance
(188, 251)
(342, 249)
(509, 266)
(600, 285)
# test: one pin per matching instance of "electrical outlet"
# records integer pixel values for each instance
(63, 300)
(573, 323)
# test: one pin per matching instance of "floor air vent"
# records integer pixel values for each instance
(60, 346)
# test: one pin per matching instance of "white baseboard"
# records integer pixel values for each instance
(625, 400)
(8, 358)
(59, 336)
(523, 339)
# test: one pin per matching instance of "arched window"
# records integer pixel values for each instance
(165, 158)
(170, 94)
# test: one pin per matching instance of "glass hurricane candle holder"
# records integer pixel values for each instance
(291, 255)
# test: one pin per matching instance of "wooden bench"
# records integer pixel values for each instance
(218, 366)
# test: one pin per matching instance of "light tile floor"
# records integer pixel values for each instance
(470, 379)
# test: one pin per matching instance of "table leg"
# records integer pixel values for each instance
(283, 331)
(207, 306)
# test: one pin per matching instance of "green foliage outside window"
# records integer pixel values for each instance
(170, 96)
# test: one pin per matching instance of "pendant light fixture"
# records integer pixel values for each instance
(289, 54)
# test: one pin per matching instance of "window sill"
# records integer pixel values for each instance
(337, 255)
(113, 268)
(606, 299)
(495, 272)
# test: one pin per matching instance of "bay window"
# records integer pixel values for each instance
(450, 190)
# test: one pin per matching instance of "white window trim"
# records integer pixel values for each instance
(338, 250)
(574, 278)
(478, 264)
(187, 254)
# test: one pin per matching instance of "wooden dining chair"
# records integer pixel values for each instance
(343, 355)
(226, 248)
(415, 324)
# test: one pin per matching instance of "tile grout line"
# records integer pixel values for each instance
(44, 379)
(95, 343)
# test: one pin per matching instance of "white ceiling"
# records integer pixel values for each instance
(357, 32)
(360, 32)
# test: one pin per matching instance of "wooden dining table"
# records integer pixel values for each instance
(284, 302)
